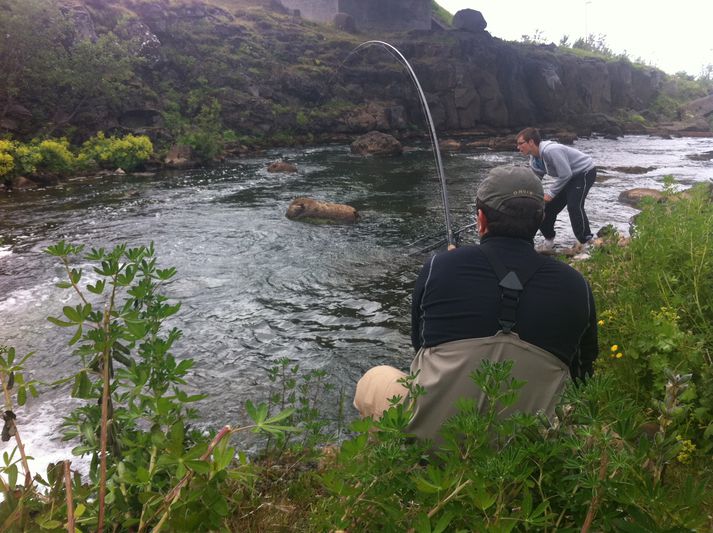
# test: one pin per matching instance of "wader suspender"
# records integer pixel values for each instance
(511, 285)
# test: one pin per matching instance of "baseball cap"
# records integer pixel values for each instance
(509, 181)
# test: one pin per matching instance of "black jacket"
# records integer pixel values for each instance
(457, 297)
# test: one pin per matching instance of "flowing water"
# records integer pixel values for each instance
(255, 286)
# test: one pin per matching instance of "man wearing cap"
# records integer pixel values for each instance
(499, 300)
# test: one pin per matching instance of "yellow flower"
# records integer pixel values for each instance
(687, 448)
(600, 323)
(614, 348)
(619, 355)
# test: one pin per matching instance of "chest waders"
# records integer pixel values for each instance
(444, 370)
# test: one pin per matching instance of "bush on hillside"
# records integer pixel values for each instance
(200, 128)
(55, 156)
(7, 161)
(128, 152)
(36, 157)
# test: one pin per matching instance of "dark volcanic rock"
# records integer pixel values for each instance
(705, 156)
(633, 170)
(345, 22)
(469, 20)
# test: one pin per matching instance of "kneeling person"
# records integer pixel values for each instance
(499, 300)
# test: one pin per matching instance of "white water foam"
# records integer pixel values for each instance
(38, 431)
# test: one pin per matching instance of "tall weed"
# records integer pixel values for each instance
(655, 299)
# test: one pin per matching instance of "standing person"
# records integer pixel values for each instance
(499, 300)
(573, 173)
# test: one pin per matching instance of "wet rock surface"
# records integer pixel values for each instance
(282, 166)
(377, 143)
(311, 210)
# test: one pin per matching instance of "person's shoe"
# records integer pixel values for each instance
(589, 243)
(583, 250)
(547, 246)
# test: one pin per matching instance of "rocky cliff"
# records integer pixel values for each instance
(276, 75)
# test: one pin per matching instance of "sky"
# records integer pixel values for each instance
(673, 36)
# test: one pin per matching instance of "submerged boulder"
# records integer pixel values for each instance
(376, 143)
(633, 197)
(281, 166)
(450, 145)
(633, 169)
(311, 210)
(506, 143)
(21, 183)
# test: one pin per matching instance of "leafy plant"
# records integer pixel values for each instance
(13, 381)
(55, 156)
(128, 152)
(200, 126)
(655, 299)
(586, 470)
(37, 156)
(302, 394)
(7, 162)
(148, 468)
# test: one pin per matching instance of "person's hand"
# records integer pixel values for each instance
(451, 247)
(548, 198)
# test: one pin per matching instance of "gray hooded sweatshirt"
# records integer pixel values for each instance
(559, 162)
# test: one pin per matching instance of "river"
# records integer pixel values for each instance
(256, 287)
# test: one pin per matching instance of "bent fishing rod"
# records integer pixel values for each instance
(450, 238)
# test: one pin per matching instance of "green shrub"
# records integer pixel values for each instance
(148, 470)
(20, 159)
(206, 145)
(48, 155)
(201, 128)
(591, 470)
(301, 119)
(55, 156)
(655, 300)
(128, 152)
(666, 107)
(7, 161)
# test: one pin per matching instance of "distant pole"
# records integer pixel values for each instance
(587, 3)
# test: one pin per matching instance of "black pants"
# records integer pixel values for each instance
(572, 196)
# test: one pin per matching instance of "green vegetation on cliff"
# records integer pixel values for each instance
(63, 78)
(226, 76)
(441, 13)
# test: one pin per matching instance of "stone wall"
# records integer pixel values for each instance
(315, 10)
(389, 15)
(386, 15)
